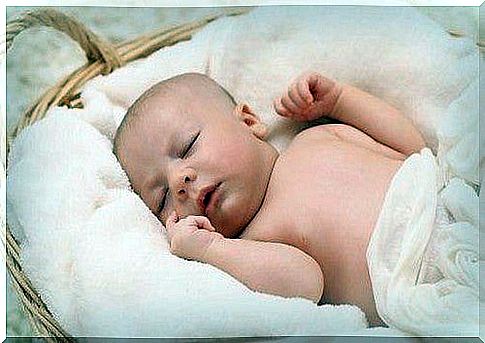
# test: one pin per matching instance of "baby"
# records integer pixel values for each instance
(296, 224)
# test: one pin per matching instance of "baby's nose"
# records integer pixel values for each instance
(184, 182)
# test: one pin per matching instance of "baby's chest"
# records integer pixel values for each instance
(323, 192)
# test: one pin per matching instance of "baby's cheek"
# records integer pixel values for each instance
(231, 151)
(227, 154)
(239, 159)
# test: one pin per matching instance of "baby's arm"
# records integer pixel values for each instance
(266, 267)
(313, 95)
(378, 119)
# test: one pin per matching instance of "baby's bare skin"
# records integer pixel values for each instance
(324, 198)
(308, 234)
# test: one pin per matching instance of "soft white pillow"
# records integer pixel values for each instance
(98, 256)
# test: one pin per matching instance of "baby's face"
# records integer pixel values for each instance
(197, 158)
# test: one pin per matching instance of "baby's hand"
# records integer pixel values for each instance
(309, 97)
(190, 237)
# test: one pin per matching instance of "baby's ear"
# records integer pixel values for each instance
(251, 120)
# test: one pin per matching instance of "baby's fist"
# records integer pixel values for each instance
(309, 97)
(191, 236)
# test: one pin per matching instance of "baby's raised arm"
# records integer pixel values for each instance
(313, 95)
(266, 267)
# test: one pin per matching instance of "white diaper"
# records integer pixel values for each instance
(423, 263)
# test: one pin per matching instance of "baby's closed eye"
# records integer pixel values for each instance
(162, 203)
(189, 146)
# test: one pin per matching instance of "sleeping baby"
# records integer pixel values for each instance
(295, 224)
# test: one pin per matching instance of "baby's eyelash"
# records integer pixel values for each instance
(161, 204)
(189, 146)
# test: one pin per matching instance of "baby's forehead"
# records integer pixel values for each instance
(160, 125)
(182, 112)
(174, 108)
(179, 102)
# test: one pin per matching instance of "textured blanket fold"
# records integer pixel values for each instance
(423, 264)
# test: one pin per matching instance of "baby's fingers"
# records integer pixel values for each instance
(203, 223)
(304, 92)
(295, 96)
(170, 224)
(289, 105)
(172, 219)
(279, 108)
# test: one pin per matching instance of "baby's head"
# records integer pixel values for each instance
(187, 146)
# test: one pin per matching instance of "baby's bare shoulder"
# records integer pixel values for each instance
(342, 135)
(317, 136)
(327, 131)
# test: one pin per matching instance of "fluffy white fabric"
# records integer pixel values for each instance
(98, 256)
(424, 264)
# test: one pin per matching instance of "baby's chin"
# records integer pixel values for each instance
(227, 225)
(233, 218)
(230, 231)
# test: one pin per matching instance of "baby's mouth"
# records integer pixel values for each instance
(206, 198)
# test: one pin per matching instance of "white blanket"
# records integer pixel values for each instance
(423, 254)
(98, 256)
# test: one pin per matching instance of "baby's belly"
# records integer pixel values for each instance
(329, 196)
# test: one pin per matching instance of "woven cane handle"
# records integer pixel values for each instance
(95, 48)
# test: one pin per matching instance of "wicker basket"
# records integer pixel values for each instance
(103, 58)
